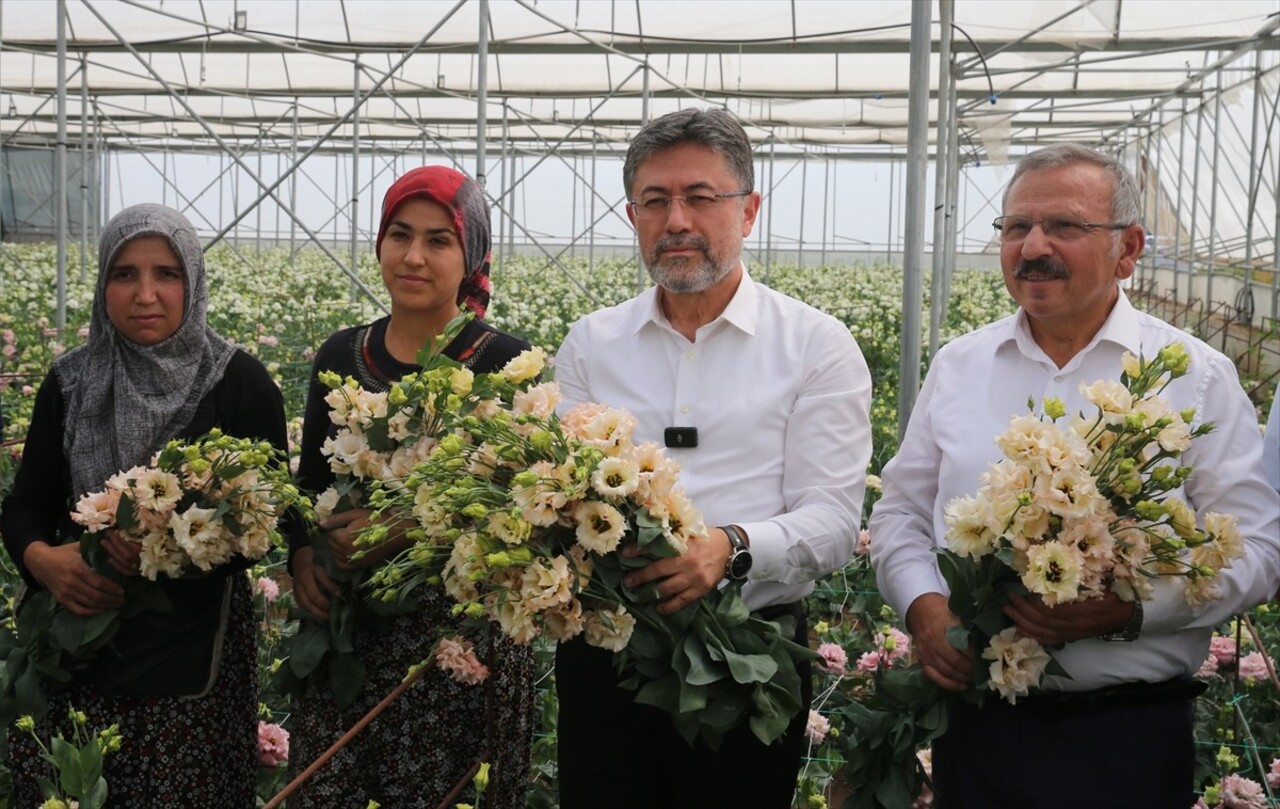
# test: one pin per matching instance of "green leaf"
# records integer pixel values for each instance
(100, 627)
(662, 693)
(702, 669)
(96, 796)
(692, 697)
(750, 668)
(959, 638)
(342, 626)
(67, 631)
(126, 514)
(91, 764)
(67, 760)
(307, 648)
(346, 678)
(732, 610)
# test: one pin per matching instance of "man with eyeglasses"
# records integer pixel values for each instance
(1118, 732)
(764, 402)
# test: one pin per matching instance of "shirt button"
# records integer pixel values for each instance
(689, 355)
(684, 408)
(1057, 379)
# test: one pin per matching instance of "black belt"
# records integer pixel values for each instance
(1071, 703)
(775, 611)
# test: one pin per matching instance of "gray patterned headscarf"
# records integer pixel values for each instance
(124, 400)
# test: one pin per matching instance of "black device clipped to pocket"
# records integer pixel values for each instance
(681, 437)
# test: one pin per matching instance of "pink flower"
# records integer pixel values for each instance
(1208, 668)
(27, 390)
(869, 661)
(1253, 666)
(269, 340)
(1242, 793)
(82, 332)
(1273, 777)
(1223, 648)
(273, 744)
(864, 543)
(457, 656)
(817, 727)
(833, 657)
(268, 587)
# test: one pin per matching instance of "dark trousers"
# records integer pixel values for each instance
(1124, 756)
(615, 754)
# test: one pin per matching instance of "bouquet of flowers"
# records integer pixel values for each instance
(1077, 508)
(382, 436)
(522, 517)
(197, 505)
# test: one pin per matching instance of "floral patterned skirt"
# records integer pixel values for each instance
(176, 751)
(426, 741)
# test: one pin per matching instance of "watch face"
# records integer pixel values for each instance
(740, 565)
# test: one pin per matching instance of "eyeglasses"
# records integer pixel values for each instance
(659, 207)
(1014, 229)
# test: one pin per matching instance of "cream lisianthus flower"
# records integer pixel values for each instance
(1181, 517)
(600, 526)
(515, 618)
(1017, 665)
(398, 428)
(157, 490)
(1025, 440)
(1130, 365)
(609, 430)
(339, 405)
(616, 477)
(464, 568)
(512, 530)
(254, 542)
(683, 521)
(1053, 571)
(1070, 492)
(97, 511)
(544, 586)
(610, 628)
(200, 538)
(1176, 437)
(564, 621)
(1110, 397)
(526, 365)
(968, 533)
(461, 380)
(161, 554)
(539, 400)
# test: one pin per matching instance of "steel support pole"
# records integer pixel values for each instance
(591, 234)
(893, 176)
(502, 183)
(293, 190)
(804, 174)
(482, 90)
(257, 225)
(1155, 200)
(1255, 169)
(938, 259)
(953, 218)
(626, 192)
(1213, 200)
(1177, 215)
(913, 247)
(1195, 206)
(355, 175)
(768, 213)
(826, 196)
(509, 187)
(84, 170)
(60, 171)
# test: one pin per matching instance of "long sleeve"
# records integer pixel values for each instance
(36, 508)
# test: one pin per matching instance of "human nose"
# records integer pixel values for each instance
(415, 255)
(1037, 242)
(147, 288)
(678, 219)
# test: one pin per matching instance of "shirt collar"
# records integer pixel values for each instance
(1120, 327)
(741, 312)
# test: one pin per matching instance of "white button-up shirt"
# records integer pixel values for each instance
(977, 382)
(779, 394)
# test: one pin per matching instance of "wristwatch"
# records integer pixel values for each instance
(739, 564)
(1129, 632)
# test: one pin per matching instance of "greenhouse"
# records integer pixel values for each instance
(884, 134)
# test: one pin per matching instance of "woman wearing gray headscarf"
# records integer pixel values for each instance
(181, 684)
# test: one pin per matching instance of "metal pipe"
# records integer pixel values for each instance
(913, 248)
(353, 292)
(768, 250)
(938, 259)
(591, 238)
(1195, 206)
(482, 90)
(804, 174)
(502, 183)
(60, 171)
(293, 187)
(826, 188)
(1177, 214)
(84, 171)
(1155, 197)
(953, 193)
(1213, 200)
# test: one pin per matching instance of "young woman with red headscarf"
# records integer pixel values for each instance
(433, 246)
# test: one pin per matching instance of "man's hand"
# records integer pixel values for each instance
(65, 574)
(928, 619)
(1073, 620)
(682, 580)
(312, 587)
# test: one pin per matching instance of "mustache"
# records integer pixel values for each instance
(1041, 266)
(681, 243)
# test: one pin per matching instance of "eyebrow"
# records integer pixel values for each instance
(428, 231)
(701, 185)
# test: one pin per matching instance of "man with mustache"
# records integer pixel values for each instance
(1118, 732)
(764, 402)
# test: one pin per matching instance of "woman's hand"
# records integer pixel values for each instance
(65, 574)
(125, 557)
(342, 529)
(312, 587)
